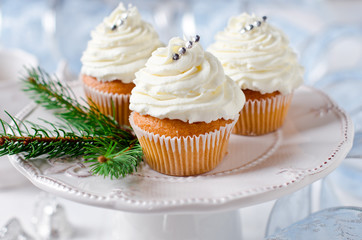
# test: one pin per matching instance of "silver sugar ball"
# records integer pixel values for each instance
(189, 44)
(249, 27)
(257, 23)
(175, 56)
(114, 27)
(264, 18)
(243, 30)
(182, 51)
(196, 38)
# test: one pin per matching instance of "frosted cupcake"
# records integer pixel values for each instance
(184, 109)
(118, 48)
(258, 58)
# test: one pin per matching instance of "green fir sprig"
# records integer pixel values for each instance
(36, 140)
(113, 150)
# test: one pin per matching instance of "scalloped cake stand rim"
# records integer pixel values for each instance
(192, 205)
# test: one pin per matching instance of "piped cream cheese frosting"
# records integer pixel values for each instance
(193, 88)
(257, 57)
(119, 46)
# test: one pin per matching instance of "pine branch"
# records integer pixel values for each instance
(54, 143)
(113, 149)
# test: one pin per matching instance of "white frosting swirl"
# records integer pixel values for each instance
(119, 53)
(259, 59)
(192, 89)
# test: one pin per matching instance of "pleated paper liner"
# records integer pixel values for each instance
(262, 116)
(184, 156)
(109, 104)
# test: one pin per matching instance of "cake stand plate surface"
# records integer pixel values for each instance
(315, 138)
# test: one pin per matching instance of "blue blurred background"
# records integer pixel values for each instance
(55, 30)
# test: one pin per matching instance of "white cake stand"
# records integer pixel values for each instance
(315, 138)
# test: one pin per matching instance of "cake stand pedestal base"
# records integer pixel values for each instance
(200, 226)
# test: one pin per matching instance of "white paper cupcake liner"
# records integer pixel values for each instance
(263, 116)
(184, 156)
(110, 104)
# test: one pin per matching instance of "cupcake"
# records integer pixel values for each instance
(118, 48)
(257, 56)
(184, 109)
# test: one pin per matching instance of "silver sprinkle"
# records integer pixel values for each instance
(175, 56)
(189, 44)
(120, 22)
(249, 27)
(196, 38)
(182, 51)
(257, 23)
(264, 18)
(243, 30)
(114, 27)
